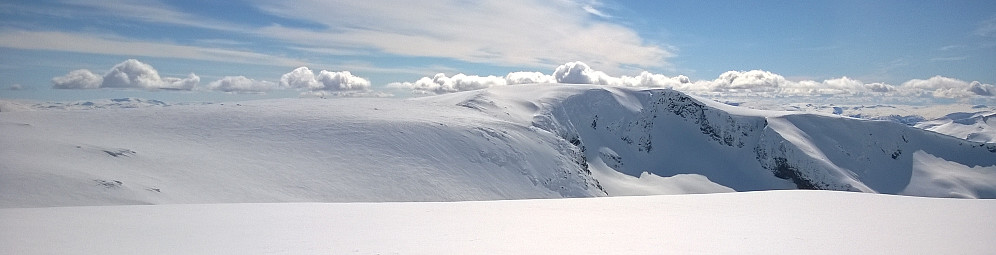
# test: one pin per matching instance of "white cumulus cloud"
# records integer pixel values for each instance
(982, 89)
(241, 84)
(441, 84)
(128, 74)
(880, 87)
(944, 87)
(528, 77)
(326, 83)
(648, 79)
(736, 83)
(837, 86)
(78, 79)
(341, 81)
(578, 73)
(749, 81)
(301, 77)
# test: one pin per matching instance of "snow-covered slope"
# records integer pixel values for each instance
(514, 142)
(970, 122)
(773, 222)
(972, 126)
(280, 151)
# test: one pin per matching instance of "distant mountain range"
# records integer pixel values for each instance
(513, 142)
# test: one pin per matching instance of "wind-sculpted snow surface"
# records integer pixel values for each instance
(515, 142)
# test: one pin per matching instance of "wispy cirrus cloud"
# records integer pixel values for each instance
(123, 46)
(510, 33)
(507, 33)
(986, 28)
(594, 7)
(134, 13)
(948, 59)
(151, 11)
(951, 47)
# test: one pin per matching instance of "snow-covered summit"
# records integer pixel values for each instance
(513, 142)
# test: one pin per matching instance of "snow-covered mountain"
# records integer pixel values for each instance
(128, 102)
(670, 134)
(970, 122)
(973, 126)
(514, 142)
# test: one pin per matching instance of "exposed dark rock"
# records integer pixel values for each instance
(119, 153)
(785, 171)
(112, 184)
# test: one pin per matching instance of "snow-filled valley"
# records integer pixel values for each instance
(334, 175)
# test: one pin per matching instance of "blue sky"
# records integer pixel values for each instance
(944, 49)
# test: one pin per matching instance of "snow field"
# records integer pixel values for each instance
(771, 222)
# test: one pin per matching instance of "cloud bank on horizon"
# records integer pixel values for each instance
(134, 74)
(748, 83)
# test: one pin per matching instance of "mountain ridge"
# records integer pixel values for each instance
(514, 142)
(780, 146)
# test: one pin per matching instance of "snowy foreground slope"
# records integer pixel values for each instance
(515, 142)
(771, 222)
